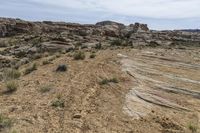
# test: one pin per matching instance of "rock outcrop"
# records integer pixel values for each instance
(26, 39)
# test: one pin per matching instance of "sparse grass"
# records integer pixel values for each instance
(45, 88)
(11, 86)
(58, 102)
(10, 74)
(107, 81)
(45, 62)
(92, 56)
(5, 122)
(193, 128)
(79, 55)
(30, 69)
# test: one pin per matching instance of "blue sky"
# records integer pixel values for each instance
(158, 14)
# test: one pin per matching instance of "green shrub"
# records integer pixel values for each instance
(79, 55)
(58, 55)
(92, 56)
(58, 103)
(36, 56)
(11, 86)
(193, 128)
(107, 81)
(10, 74)
(45, 62)
(45, 88)
(5, 122)
(116, 42)
(52, 58)
(98, 46)
(30, 69)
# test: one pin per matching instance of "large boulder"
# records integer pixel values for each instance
(110, 28)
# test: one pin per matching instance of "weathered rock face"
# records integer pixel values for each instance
(137, 27)
(9, 27)
(23, 39)
(26, 41)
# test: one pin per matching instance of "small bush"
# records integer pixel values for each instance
(36, 56)
(107, 81)
(46, 88)
(58, 55)
(193, 128)
(98, 46)
(58, 103)
(92, 56)
(5, 122)
(30, 69)
(52, 58)
(114, 80)
(45, 62)
(11, 86)
(61, 68)
(79, 55)
(10, 74)
(117, 42)
(104, 81)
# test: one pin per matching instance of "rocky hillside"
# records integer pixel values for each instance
(25, 39)
(58, 77)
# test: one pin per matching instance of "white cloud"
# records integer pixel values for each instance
(167, 9)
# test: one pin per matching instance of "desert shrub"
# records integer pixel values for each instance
(61, 68)
(107, 81)
(36, 41)
(58, 55)
(98, 46)
(5, 122)
(193, 128)
(11, 86)
(45, 62)
(79, 55)
(45, 88)
(36, 56)
(30, 69)
(52, 58)
(3, 44)
(116, 42)
(114, 80)
(78, 44)
(10, 74)
(92, 56)
(58, 102)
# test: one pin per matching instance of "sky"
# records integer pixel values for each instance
(158, 14)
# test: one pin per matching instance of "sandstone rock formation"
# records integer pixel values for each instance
(26, 39)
